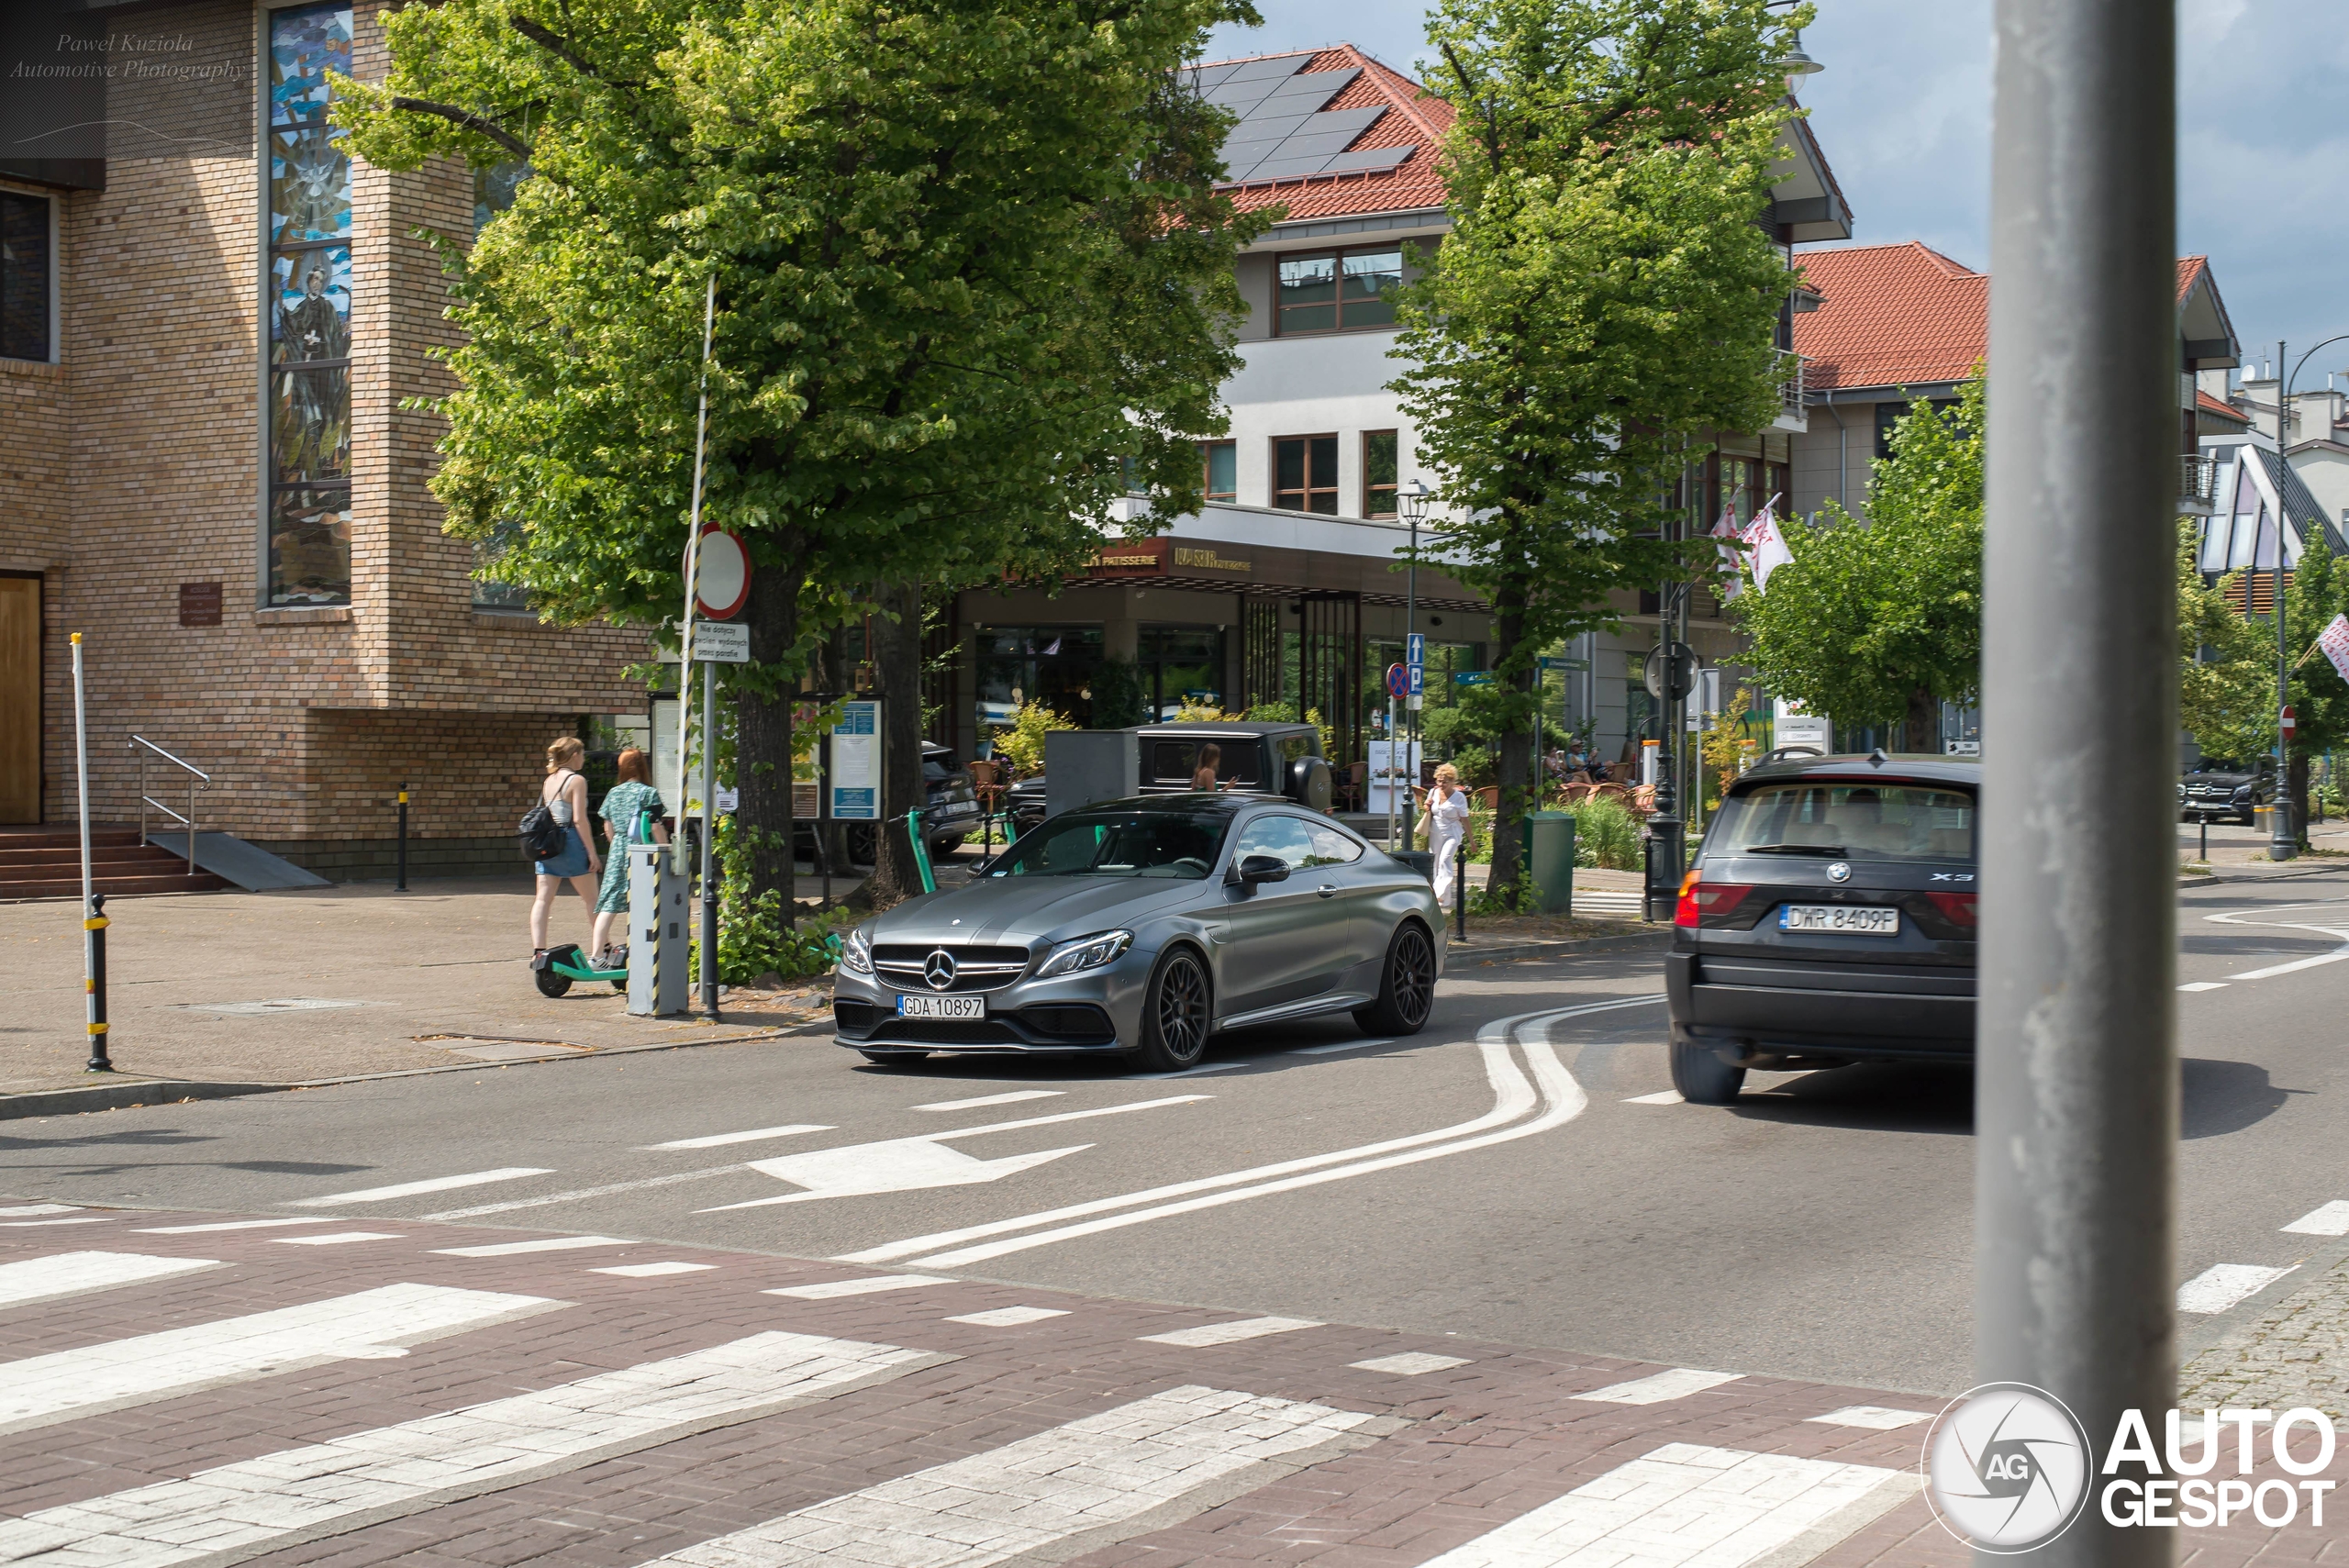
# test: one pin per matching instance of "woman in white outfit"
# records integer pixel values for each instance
(1447, 826)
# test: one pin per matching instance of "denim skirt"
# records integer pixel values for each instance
(572, 861)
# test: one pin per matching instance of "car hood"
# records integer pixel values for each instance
(2231, 780)
(1029, 908)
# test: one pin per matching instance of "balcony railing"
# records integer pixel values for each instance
(2198, 479)
(1790, 388)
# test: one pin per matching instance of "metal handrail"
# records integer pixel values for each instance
(140, 746)
(2197, 478)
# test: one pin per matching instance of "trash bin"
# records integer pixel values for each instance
(1550, 859)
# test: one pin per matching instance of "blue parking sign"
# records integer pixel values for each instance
(1415, 654)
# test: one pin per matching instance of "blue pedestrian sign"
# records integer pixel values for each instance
(1398, 680)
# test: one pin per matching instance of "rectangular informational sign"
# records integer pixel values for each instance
(722, 642)
(856, 762)
(1473, 678)
(1792, 726)
(1404, 755)
(1552, 661)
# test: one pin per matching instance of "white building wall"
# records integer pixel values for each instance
(1314, 386)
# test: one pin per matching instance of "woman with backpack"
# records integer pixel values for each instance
(565, 797)
(632, 814)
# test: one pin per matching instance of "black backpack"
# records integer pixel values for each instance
(543, 838)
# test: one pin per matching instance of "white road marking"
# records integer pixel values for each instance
(226, 1225)
(2333, 1220)
(2204, 986)
(1875, 1418)
(1012, 1098)
(1514, 1097)
(70, 1274)
(280, 1500)
(1678, 1384)
(651, 1271)
(1341, 1045)
(411, 1189)
(34, 1223)
(1411, 1363)
(1043, 1498)
(1668, 1097)
(28, 1210)
(335, 1238)
(719, 1139)
(2221, 1286)
(2242, 917)
(1010, 1317)
(370, 1324)
(866, 1286)
(1230, 1333)
(577, 1194)
(2274, 969)
(1702, 1507)
(914, 1165)
(514, 1248)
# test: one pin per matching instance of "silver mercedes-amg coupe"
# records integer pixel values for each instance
(1143, 927)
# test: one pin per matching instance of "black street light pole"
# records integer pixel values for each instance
(2284, 824)
(1413, 498)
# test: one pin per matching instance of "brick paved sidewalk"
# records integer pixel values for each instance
(631, 1402)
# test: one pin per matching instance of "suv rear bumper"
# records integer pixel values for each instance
(1894, 1023)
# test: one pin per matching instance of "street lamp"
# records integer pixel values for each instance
(2283, 827)
(1413, 499)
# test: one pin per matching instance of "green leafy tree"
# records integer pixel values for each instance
(1604, 300)
(1881, 622)
(971, 280)
(2226, 684)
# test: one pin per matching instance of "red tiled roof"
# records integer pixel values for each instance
(2210, 405)
(2188, 269)
(1896, 316)
(1414, 116)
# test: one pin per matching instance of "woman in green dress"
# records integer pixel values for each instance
(624, 808)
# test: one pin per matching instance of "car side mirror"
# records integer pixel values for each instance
(1254, 869)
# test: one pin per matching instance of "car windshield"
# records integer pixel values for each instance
(1847, 820)
(1124, 843)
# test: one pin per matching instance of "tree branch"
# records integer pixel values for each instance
(470, 121)
(553, 44)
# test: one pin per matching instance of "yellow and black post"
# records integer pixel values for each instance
(95, 924)
(400, 886)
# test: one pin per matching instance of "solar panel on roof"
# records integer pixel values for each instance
(1328, 82)
(1206, 76)
(1274, 66)
(1369, 158)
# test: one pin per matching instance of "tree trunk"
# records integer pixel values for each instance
(1924, 722)
(897, 661)
(1514, 762)
(763, 737)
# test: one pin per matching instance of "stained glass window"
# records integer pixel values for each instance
(307, 303)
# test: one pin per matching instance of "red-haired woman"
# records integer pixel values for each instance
(631, 801)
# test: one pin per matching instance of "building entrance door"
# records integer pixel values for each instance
(19, 699)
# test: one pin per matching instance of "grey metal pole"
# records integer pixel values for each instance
(2076, 1092)
(2283, 832)
(710, 839)
(1411, 745)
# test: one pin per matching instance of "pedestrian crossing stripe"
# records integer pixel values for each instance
(238, 1510)
(70, 1274)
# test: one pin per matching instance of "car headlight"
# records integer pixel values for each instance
(856, 954)
(1085, 952)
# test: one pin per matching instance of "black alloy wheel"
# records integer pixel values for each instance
(1175, 1014)
(552, 984)
(1405, 984)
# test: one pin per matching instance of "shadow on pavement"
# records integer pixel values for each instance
(1869, 1096)
(2227, 1097)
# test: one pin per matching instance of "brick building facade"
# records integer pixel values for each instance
(309, 667)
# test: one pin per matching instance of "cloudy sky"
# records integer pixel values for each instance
(1903, 111)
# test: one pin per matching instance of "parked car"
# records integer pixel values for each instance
(1143, 927)
(951, 810)
(2218, 789)
(1270, 757)
(1830, 918)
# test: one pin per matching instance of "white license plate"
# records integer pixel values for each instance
(941, 1006)
(1836, 918)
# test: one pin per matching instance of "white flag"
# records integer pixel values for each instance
(1767, 547)
(2334, 640)
(1733, 559)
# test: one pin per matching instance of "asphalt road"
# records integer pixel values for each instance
(1507, 1174)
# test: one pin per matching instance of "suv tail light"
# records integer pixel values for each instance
(1957, 906)
(1702, 900)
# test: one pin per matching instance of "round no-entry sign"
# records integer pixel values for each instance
(2290, 723)
(1398, 680)
(722, 585)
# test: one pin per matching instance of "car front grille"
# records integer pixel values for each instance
(904, 965)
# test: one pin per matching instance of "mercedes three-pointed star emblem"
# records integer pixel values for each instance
(938, 970)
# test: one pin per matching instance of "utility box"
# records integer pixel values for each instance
(660, 934)
(1083, 766)
(1550, 859)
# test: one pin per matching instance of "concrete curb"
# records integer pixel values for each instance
(2214, 879)
(1565, 947)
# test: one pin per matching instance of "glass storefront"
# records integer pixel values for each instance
(1180, 664)
(1051, 664)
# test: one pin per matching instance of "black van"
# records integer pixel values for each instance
(1830, 918)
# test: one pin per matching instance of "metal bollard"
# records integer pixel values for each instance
(97, 926)
(401, 885)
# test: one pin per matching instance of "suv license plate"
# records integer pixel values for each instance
(1849, 922)
(941, 1006)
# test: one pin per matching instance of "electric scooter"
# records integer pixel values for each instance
(556, 968)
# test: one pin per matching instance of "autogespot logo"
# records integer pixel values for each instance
(2007, 1467)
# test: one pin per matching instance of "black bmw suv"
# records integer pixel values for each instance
(1830, 918)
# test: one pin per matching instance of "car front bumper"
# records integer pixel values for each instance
(1928, 1019)
(1096, 1010)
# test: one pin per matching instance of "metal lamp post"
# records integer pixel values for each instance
(2284, 827)
(1413, 499)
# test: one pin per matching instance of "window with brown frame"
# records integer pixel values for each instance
(1221, 461)
(1305, 474)
(1378, 452)
(1335, 291)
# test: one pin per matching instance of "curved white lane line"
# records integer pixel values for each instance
(1565, 1101)
(1512, 1096)
(2237, 918)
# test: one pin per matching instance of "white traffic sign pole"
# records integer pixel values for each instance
(708, 838)
(692, 569)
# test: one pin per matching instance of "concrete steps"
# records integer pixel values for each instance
(46, 862)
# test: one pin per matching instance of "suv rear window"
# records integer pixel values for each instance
(1849, 820)
(1174, 761)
